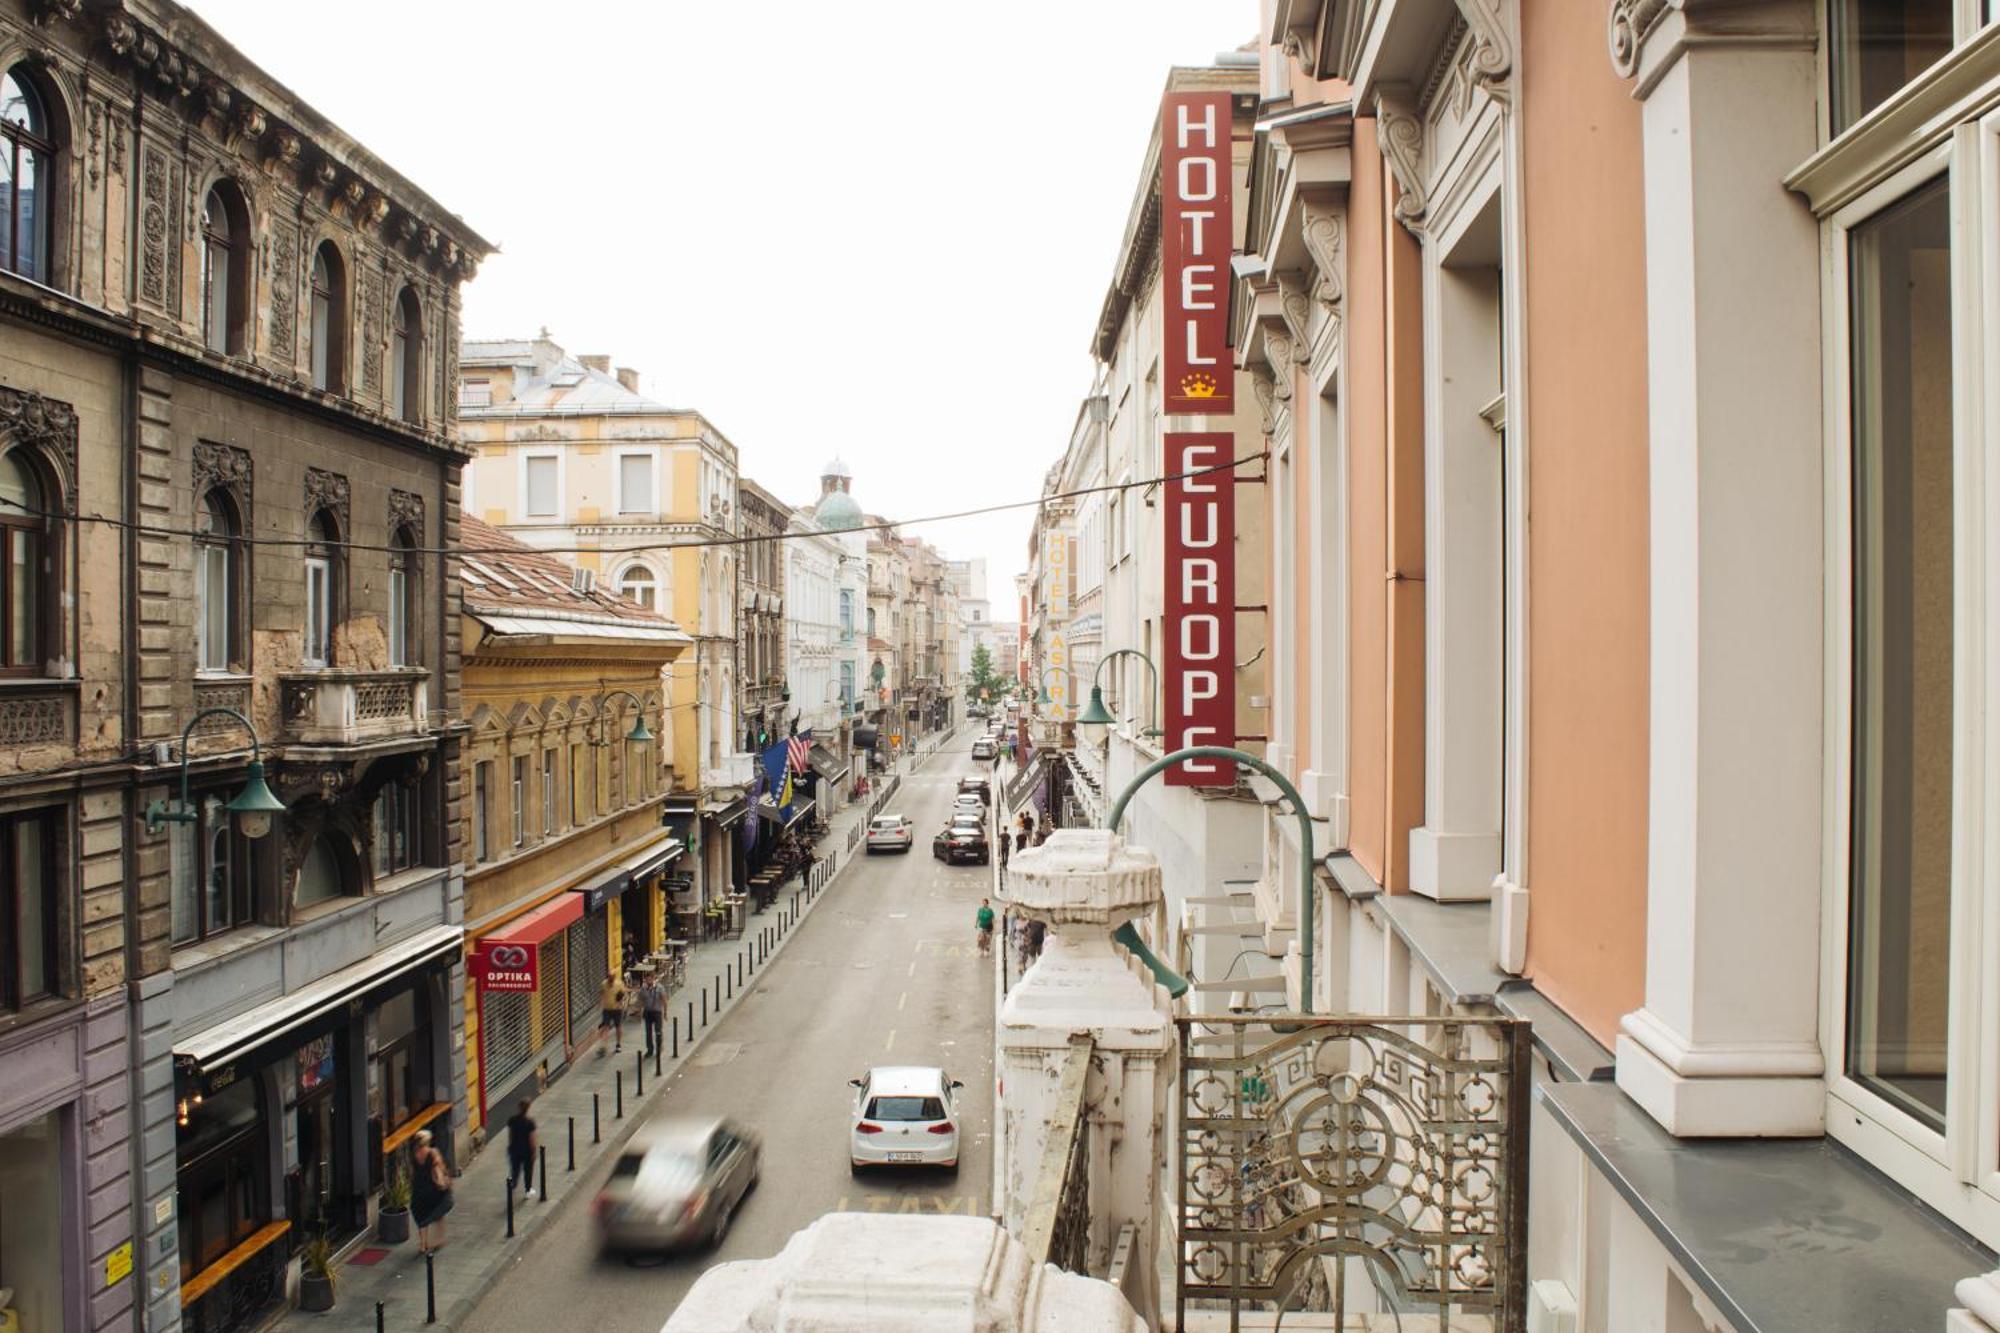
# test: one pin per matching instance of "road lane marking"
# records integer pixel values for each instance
(913, 969)
(892, 1040)
(902, 1000)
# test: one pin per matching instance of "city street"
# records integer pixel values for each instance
(884, 972)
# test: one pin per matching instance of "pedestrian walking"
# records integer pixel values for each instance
(653, 1009)
(984, 921)
(612, 1017)
(430, 1194)
(521, 1145)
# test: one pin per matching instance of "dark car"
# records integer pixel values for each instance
(981, 786)
(961, 841)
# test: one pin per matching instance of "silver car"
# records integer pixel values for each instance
(677, 1184)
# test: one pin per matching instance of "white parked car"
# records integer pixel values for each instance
(982, 748)
(970, 803)
(890, 833)
(904, 1115)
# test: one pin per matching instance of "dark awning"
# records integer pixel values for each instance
(785, 816)
(728, 815)
(825, 764)
(864, 736)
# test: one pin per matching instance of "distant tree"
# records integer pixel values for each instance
(982, 683)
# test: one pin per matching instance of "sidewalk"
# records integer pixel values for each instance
(476, 1245)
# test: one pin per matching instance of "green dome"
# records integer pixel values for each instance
(837, 511)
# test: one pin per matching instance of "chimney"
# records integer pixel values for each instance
(600, 364)
(629, 377)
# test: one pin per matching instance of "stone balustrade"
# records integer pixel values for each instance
(340, 706)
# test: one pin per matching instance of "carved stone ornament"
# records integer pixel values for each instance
(1324, 242)
(430, 238)
(354, 192)
(221, 465)
(1266, 390)
(328, 491)
(402, 229)
(119, 34)
(406, 510)
(371, 331)
(94, 116)
(217, 99)
(1492, 49)
(1402, 136)
(324, 174)
(284, 270)
(1295, 304)
(1280, 351)
(49, 11)
(48, 424)
(251, 121)
(152, 226)
(282, 149)
(1632, 21)
(373, 209)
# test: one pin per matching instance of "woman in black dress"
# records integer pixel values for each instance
(430, 1193)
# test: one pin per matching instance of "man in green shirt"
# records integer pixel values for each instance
(985, 920)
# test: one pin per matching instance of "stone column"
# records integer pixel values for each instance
(1083, 884)
(1727, 1042)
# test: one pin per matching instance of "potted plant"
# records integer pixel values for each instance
(316, 1275)
(393, 1226)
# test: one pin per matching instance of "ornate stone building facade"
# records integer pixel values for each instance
(768, 698)
(227, 344)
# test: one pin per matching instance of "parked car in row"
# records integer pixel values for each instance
(983, 748)
(904, 1115)
(678, 1184)
(963, 839)
(890, 833)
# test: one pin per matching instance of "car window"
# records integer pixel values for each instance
(887, 822)
(669, 1172)
(628, 1165)
(906, 1108)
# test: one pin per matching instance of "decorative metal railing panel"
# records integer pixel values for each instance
(1400, 1141)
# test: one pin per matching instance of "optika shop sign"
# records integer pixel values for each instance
(1195, 234)
(1199, 672)
(505, 967)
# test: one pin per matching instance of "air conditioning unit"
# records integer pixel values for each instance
(1551, 1307)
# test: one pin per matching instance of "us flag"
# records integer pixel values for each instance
(798, 751)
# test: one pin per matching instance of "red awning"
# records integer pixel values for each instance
(539, 924)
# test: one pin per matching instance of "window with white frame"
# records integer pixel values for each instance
(541, 485)
(637, 584)
(635, 483)
(548, 791)
(322, 567)
(518, 795)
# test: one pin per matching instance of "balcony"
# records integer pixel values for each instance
(338, 706)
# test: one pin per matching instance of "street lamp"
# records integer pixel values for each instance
(253, 807)
(1043, 681)
(639, 734)
(1095, 713)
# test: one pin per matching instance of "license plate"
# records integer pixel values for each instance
(906, 1157)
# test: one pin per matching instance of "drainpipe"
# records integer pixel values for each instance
(1291, 793)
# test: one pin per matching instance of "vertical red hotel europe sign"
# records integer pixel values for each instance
(1199, 666)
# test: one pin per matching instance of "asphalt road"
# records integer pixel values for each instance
(882, 972)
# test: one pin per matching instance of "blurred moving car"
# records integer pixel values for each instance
(904, 1115)
(890, 833)
(963, 839)
(677, 1184)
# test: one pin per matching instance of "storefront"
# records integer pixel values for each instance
(42, 1228)
(286, 1115)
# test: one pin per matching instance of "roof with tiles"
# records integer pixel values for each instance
(508, 577)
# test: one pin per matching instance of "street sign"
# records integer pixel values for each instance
(1196, 181)
(1198, 668)
(500, 966)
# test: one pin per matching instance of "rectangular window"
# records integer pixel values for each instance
(635, 483)
(578, 803)
(541, 486)
(399, 614)
(319, 609)
(1877, 46)
(520, 797)
(548, 791)
(1899, 915)
(395, 829)
(482, 810)
(30, 907)
(212, 606)
(475, 393)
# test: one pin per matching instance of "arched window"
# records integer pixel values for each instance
(406, 359)
(225, 246)
(24, 594)
(403, 615)
(27, 166)
(218, 553)
(320, 874)
(329, 319)
(636, 583)
(322, 588)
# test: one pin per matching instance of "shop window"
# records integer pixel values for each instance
(220, 1156)
(406, 359)
(31, 968)
(218, 557)
(30, 587)
(322, 567)
(1875, 47)
(396, 834)
(27, 176)
(482, 811)
(1899, 916)
(225, 249)
(402, 1057)
(327, 332)
(33, 1224)
(322, 876)
(214, 874)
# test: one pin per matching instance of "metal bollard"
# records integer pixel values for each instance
(659, 1049)
(430, 1287)
(572, 1147)
(690, 1025)
(677, 1034)
(544, 1151)
(378, 1317)
(618, 1094)
(639, 1074)
(728, 979)
(704, 1013)
(595, 1134)
(510, 1205)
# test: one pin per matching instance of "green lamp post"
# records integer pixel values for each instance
(253, 808)
(640, 733)
(1095, 714)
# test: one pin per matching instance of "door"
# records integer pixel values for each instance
(319, 1168)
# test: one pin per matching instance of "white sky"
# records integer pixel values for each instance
(878, 228)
